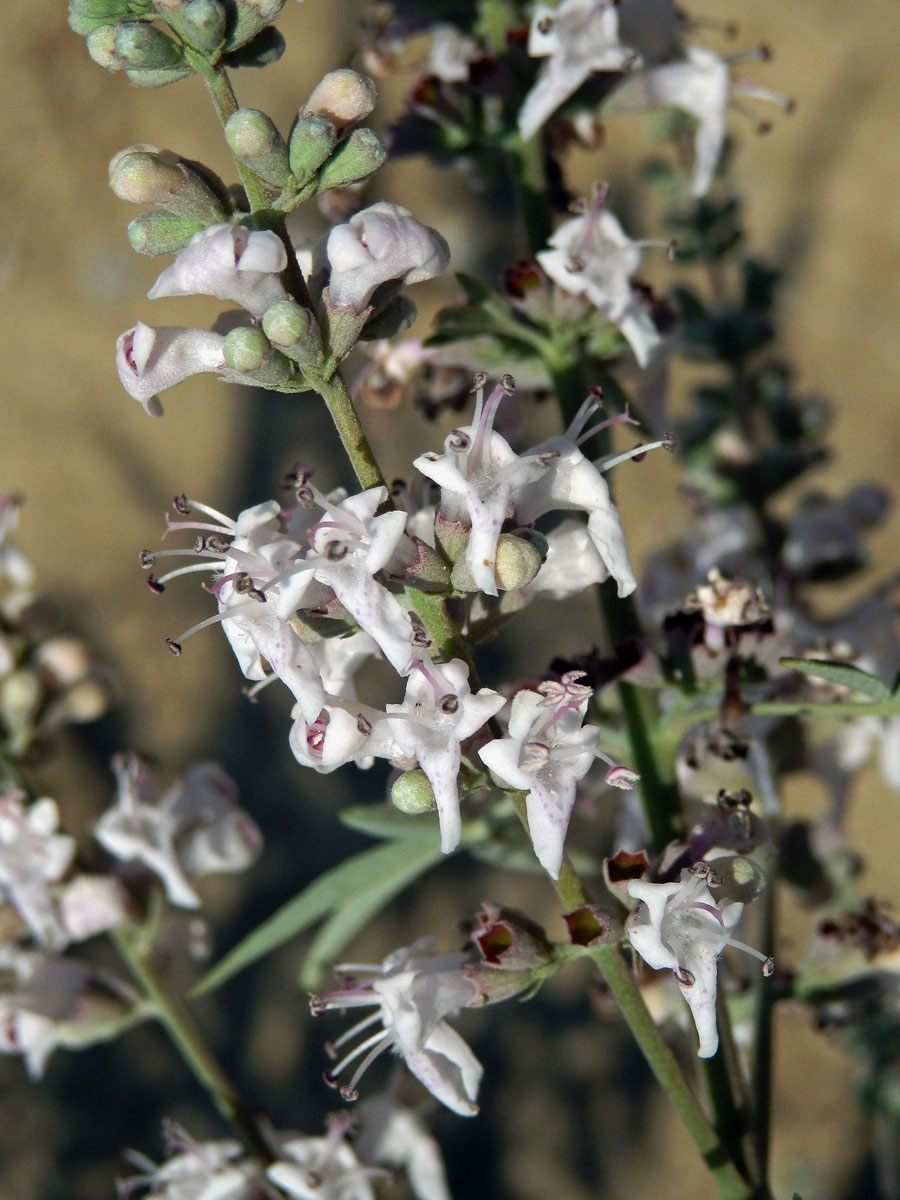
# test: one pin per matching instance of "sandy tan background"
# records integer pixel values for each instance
(821, 194)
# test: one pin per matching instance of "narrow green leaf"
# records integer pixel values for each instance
(383, 821)
(414, 858)
(359, 872)
(842, 674)
(472, 288)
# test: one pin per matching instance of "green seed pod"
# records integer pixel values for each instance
(249, 351)
(517, 562)
(162, 232)
(312, 140)
(356, 158)
(412, 793)
(293, 329)
(343, 96)
(255, 141)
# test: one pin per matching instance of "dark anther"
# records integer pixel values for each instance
(199, 544)
(448, 704)
(481, 378)
(508, 384)
(256, 593)
(242, 583)
(335, 551)
(217, 544)
(154, 586)
(684, 976)
(173, 647)
(147, 559)
(363, 725)
(180, 504)
(330, 1080)
(457, 440)
(668, 441)
(398, 488)
(349, 1093)
(768, 966)
(544, 25)
(317, 1005)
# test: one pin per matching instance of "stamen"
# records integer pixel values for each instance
(366, 1045)
(593, 403)
(664, 443)
(624, 418)
(432, 673)
(349, 1034)
(183, 505)
(193, 569)
(485, 423)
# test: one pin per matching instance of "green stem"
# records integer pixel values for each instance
(619, 978)
(337, 399)
(526, 160)
(190, 1043)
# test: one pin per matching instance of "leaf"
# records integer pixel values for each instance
(842, 674)
(384, 821)
(414, 859)
(473, 289)
(361, 872)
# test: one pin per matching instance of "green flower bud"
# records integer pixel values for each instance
(150, 77)
(87, 15)
(250, 17)
(162, 232)
(412, 793)
(312, 140)
(144, 175)
(293, 329)
(343, 96)
(356, 158)
(202, 25)
(101, 46)
(248, 350)
(255, 140)
(144, 47)
(517, 562)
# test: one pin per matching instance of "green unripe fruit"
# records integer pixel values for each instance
(411, 793)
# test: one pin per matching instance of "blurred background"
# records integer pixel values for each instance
(820, 197)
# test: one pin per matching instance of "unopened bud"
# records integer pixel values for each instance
(312, 140)
(66, 659)
(144, 47)
(145, 175)
(202, 24)
(85, 701)
(412, 793)
(255, 141)
(343, 96)
(101, 46)
(356, 158)
(246, 349)
(162, 232)
(517, 562)
(87, 15)
(293, 329)
(250, 18)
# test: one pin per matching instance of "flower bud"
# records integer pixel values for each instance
(144, 47)
(517, 562)
(356, 158)
(101, 46)
(312, 140)
(80, 704)
(66, 659)
(250, 18)
(87, 15)
(202, 25)
(248, 351)
(162, 232)
(145, 175)
(343, 96)
(412, 793)
(293, 329)
(255, 141)
(150, 77)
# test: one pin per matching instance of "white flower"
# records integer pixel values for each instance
(343, 731)
(197, 1171)
(700, 85)
(479, 475)
(381, 243)
(324, 1168)
(450, 54)
(413, 991)
(194, 829)
(592, 256)
(681, 928)
(150, 360)
(349, 546)
(231, 263)
(577, 38)
(545, 753)
(32, 855)
(572, 563)
(437, 714)
(398, 1137)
